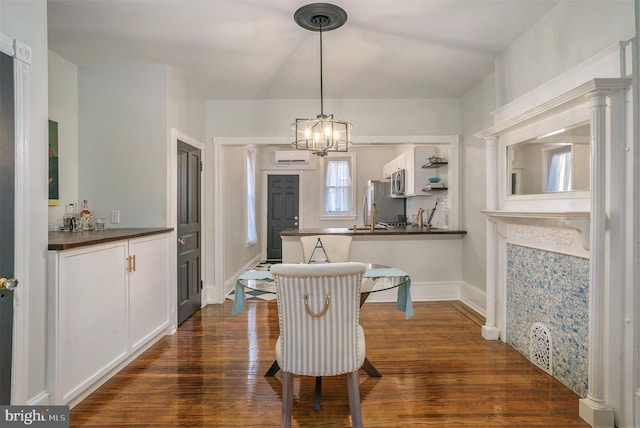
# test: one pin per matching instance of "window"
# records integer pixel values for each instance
(339, 187)
(252, 233)
(559, 170)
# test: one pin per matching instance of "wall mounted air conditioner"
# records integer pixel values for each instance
(292, 157)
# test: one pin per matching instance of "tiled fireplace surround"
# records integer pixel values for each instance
(553, 289)
(560, 267)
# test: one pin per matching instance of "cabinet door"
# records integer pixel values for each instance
(90, 299)
(148, 288)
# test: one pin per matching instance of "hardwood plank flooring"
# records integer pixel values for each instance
(437, 370)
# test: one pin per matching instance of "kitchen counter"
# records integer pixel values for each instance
(67, 240)
(431, 257)
(361, 231)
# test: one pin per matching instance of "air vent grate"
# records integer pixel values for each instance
(540, 351)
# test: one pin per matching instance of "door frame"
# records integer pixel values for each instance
(19, 367)
(265, 204)
(172, 217)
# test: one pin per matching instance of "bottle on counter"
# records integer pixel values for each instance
(85, 216)
(69, 217)
(85, 210)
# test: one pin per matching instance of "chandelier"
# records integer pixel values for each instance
(324, 133)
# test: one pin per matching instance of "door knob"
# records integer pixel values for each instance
(295, 217)
(9, 284)
(295, 224)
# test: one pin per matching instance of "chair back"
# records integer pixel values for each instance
(319, 314)
(333, 248)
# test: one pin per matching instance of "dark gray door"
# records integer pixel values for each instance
(189, 235)
(7, 201)
(283, 191)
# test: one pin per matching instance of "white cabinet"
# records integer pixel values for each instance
(102, 310)
(393, 166)
(148, 288)
(416, 176)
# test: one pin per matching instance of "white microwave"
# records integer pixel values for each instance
(397, 183)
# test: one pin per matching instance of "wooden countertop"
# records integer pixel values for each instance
(67, 240)
(401, 230)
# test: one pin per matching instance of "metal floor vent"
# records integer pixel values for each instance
(540, 351)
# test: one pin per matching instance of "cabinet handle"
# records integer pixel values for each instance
(131, 264)
(134, 262)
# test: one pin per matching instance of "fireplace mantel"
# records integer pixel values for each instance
(603, 218)
(575, 220)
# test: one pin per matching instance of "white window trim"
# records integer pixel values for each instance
(351, 157)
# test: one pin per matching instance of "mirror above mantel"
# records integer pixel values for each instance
(557, 161)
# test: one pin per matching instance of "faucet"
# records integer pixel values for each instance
(374, 211)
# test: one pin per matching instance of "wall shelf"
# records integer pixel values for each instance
(435, 164)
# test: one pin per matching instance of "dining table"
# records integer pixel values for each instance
(376, 278)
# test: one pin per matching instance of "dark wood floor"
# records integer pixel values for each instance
(437, 370)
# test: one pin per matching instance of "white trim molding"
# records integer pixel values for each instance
(172, 210)
(19, 366)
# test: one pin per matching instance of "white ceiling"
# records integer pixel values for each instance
(253, 49)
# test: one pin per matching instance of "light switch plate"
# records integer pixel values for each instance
(115, 216)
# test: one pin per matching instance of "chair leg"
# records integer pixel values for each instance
(316, 399)
(354, 399)
(287, 399)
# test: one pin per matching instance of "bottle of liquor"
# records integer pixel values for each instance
(85, 210)
(85, 217)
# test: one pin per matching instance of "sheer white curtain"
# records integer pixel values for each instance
(338, 191)
(252, 232)
(559, 177)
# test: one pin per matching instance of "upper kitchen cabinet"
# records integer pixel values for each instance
(393, 166)
(436, 159)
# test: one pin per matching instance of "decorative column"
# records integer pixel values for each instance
(490, 330)
(593, 408)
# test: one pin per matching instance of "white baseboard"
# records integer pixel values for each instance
(41, 399)
(421, 292)
(474, 298)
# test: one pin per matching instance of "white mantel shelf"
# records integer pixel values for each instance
(558, 215)
(577, 220)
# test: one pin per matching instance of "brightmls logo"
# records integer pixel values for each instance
(34, 416)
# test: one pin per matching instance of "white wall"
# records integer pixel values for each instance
(122, 140)
(570, 33)
(27, 22)
(476, 105)
(63, 108)
(370, 117)
(185, 107)
(236, 253)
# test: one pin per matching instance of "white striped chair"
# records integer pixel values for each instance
(320, 333)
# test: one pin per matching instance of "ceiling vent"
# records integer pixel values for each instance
(292, 157)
